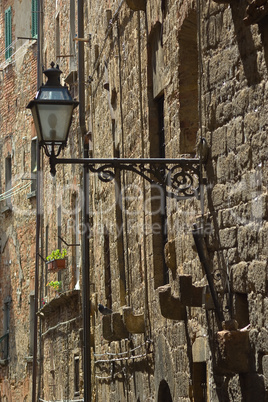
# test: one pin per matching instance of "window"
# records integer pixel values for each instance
(72, 35)
(188, 82)
(8, 33)
(59, 234)
(5, 342)
(34, 18)
(8, 177)
(31, 330)
(75, 240)
(156, 86)
(163, 203)
(107, 269)
(76, 376)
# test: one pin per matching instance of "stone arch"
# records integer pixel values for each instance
(164, 394)
(164, 369)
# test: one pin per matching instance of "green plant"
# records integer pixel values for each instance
(57, 255)
(56, 285)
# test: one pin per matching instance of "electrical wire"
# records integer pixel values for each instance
(9, 194)
(7, 48)
(122, 353)
(8, 191)
(120, 359)
(11, 58)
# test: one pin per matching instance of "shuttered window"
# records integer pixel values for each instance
(8, 33)
(34, 19)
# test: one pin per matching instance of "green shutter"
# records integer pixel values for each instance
(8, 33)
(34, 19)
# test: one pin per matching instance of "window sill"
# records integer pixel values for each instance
(4, 362)
(71, 77)
(32, 194)
(7, 208)
(29, 359)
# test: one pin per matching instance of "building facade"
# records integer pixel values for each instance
(181, 266)
(18, 201)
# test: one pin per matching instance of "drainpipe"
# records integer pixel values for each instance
(85, 240)
(38, 213)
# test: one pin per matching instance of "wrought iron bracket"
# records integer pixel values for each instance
(179, 178)
(67, 244)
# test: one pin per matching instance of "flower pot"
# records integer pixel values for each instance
(56, 265)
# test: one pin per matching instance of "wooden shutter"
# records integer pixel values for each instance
(34, 19)
(8, 33)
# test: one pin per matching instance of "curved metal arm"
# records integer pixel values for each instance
(180, 178)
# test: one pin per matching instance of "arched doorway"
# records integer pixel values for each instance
(164, 394)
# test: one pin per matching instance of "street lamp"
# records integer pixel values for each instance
(52, 110)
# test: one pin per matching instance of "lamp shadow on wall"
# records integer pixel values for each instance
(263, 29)
(246, 46)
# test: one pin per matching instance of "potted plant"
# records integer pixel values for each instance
(57, 260)
(56, 285)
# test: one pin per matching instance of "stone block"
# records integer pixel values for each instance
(247, 243)
(262, 342)
(228, 237)
(230, 325)
(251, 121)
(190, 295)
(137, 5)
(135, 324)
(231, 255)
(199, 350)
(263, 240)
(239, 277)
(171, 307)
(232, 352)
(119, 328)
(219, 139)
(107, 328)
(265, 369)
(258, 277)
(113, 328)
(218, 195)
(170, 255)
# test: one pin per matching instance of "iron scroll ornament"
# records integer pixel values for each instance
(180, 178)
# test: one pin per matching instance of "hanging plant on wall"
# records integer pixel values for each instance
(57, 260)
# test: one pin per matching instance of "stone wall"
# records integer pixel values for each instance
(233, 122)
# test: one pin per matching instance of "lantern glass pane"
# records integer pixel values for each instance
(36, 122)
(54, 93)
(55, 121)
